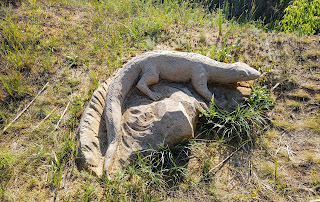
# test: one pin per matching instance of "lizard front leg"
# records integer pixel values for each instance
(149, 76)
(199, 82)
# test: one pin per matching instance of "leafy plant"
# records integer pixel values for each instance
(302, 16)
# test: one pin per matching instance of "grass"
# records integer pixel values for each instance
(238, 123)
(220, 17)
(13, 85)
(313, 123)
(286, 125)
(294, 104)
(300, 94)
(226, 53)
(75, 45)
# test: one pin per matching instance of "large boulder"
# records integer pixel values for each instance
(149, 124)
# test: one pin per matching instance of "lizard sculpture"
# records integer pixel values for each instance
(148, 68)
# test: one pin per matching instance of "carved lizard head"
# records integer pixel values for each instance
(242, 72)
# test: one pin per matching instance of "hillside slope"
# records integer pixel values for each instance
(74, 45)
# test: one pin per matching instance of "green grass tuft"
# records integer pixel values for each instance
(237, 124)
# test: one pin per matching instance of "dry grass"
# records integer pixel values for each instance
(77, 44)
(313, 123)
(293, 104)
(300, 95)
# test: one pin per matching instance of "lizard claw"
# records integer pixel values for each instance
(156, 96)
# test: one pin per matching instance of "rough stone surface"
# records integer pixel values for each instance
(151, 67)
(92, 134)
(169, 121)
(145, 123)
(124, 128)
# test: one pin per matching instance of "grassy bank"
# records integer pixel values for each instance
(74, 45)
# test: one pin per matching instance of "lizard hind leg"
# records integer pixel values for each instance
(149, 76)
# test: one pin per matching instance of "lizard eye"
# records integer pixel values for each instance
(242, 75)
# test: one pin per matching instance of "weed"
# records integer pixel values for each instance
(251, 13)
(94, 83)
(228, 126)
(7, 161)
(72, 60)
(67, 152)
(182, 44)
(5, 168)
(3, 117)
(149, 43)
(203, 49)
(150, 171)
(238, 123)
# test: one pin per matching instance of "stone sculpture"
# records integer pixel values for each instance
(145, 70)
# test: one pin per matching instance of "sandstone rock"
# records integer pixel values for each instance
(170, 121)
(92, 134)
(145, 123)
(151, 67)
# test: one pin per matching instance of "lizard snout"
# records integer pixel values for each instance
(253, 74)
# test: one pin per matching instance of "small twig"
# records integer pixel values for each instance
(25, 108)
(274, 87)
(45, 118)
(57, 125)
(226, 159)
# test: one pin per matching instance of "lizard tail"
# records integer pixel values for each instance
(118, 89)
